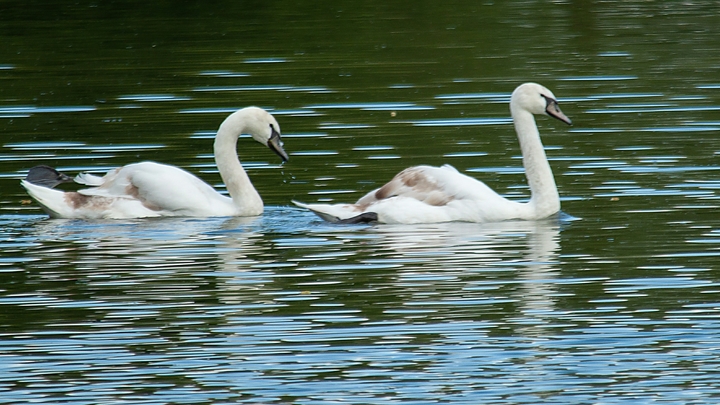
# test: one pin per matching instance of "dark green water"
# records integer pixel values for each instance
(619, 305)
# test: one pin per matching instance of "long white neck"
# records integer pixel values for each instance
(238, 184)
(544, 200)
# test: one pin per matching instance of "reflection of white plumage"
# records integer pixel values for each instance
(149, 189)
(426, 194)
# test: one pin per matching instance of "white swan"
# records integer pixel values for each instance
(427, 194)
(150, 189)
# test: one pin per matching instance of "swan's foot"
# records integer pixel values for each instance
(46, 176)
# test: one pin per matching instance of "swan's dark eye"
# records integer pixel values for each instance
(273, 131)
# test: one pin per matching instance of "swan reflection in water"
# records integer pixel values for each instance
(131, 248)
(468, 263)
(258, 259)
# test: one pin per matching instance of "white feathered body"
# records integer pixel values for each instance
(149, 189)
(137, 190)
(427, 194)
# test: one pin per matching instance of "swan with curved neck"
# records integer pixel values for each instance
(427, 194)
(149, 189)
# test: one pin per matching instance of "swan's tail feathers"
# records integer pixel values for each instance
(88, 179)
(338, 213)
(46, 176)
(52, 201)
(317, 209)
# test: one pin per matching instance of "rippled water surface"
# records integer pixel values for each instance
(617, 300)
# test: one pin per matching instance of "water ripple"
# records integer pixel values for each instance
(453, 122)
(29, 110)
(377, 106)
(152, 97)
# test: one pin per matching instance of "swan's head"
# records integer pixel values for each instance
(264, 128)
(537, 99)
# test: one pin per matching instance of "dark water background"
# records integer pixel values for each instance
(619, 305)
